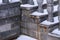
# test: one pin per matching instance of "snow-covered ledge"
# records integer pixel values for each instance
(45, 12)
(14, 1)
(35, 4)
(55, 0)
(29, 6)
(39, 14)
(24, 37)
(47, 23)
(55, 33)
(44, 2)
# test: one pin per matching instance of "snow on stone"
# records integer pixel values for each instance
(24, 37)
(54, 35)
(0, 1)
(56, 31)
(55, 8)
(39, 14)
(35, 2)
(28, 5)
(14, 0)
(44, 2)
(55, 0)
(51, 23)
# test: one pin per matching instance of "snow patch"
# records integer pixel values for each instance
(28, 5)
(35, 2)
(24, 37)
(40, 14)
(51, 23)
(14, 1)
(44, 2)
(55, 0)
(55, 8)
(56, 31)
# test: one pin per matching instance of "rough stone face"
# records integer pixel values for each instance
(9, 13)
(59, 14)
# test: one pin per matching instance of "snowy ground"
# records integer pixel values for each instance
(24, 37)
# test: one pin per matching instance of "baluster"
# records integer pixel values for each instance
(40, 2)
(50, 10)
